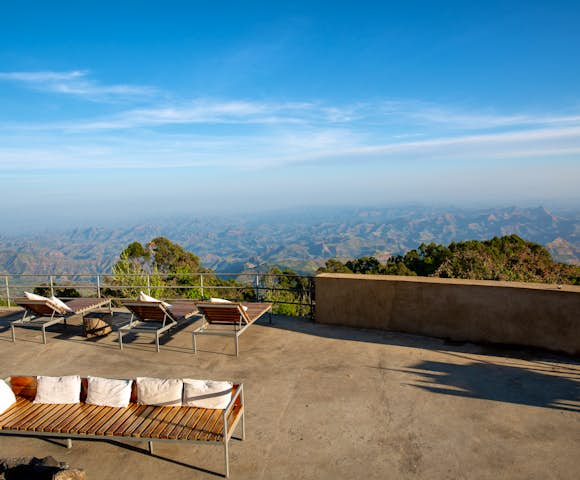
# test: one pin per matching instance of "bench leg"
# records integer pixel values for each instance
(237, 345)
(226, 459)
(68, 443)
(44, 334)
(157, 340)
(13, 333)
(194, 343)
(151, 447)
(120, 340)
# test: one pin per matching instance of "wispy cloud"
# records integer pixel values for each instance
(77, 83)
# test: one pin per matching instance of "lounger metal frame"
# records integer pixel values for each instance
(29, 316)
(238, 328)
(226, 437)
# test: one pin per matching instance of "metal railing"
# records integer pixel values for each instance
(196, 286)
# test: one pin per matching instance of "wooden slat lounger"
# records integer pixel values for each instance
(154, 317)
(232, 315)
(136, 422)
(43, 313)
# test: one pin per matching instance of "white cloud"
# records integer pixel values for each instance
(77, 83)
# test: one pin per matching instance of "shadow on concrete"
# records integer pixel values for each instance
(515, 374)
(126, 446)
(500, 383)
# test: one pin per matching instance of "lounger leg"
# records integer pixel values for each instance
(227, 459)
(243, 416)
(44, 334)
(151, 448)
(68, 443)
(194, 343)
(157, 340)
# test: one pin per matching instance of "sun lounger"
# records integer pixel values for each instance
(135, 422)
(229, 319)
(155, 317)
(44, 313)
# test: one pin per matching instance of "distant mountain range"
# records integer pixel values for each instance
(300, 239)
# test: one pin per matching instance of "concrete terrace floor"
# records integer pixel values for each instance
(331, 402)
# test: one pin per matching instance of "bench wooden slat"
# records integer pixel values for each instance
(190, 425)
(69, 418)
(21, 415)
(174, 423)
(159, 421)
(168, 421)
(142, 417)
(214, 425)
(98, 420)
(58, 412)
(133, 411)
(151, 418)
(87, 413)
(176, 429)
(194, 432)
(118, 414)
(14, 411)
(39, 412)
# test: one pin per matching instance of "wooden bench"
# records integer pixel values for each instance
(136, 422)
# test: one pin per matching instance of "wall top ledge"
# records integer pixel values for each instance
(452, 281)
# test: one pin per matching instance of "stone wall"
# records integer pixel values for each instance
(539, 315)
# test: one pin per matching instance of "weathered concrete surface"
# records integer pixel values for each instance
(538, 315)
(328, 402)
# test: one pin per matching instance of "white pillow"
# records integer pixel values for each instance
(162, 392)
(206, 393)
(219, 300)
(223, 300)
(59, 303)
(109, 392)
(7, 397)
(58, 389)
(143, 297)
(34, 296)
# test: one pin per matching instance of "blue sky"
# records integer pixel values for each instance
(118, 109)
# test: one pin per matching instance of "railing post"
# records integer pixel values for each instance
(201, 285)
(98, 286)
(7, 289)
(257, 287)
(148, 285)
(51, 279)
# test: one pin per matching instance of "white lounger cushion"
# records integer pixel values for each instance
(109, 392)
(58, 389)
(59, 303)
(7, 397)
(162, 392)
(143, 297)
(206, 393)
(223, 300)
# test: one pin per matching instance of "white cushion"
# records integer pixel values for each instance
(219, 300)
(58, 389)
(34, 296)
(223, 300)
(7, 397)
(163, 392)
(59, 303)
(143, 297)
(206, 393)
(108, 392)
